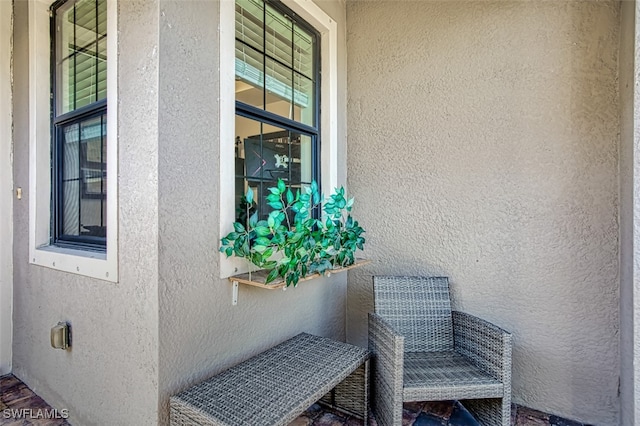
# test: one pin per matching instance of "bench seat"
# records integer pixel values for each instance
(276, 386)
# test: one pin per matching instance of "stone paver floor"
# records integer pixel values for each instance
(444, 413)
(20, 406)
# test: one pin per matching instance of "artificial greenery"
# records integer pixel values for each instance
(291, 243)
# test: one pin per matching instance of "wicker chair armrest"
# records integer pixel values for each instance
(486, 344)
(387, 348)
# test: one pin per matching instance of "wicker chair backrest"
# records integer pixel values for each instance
(417, 307)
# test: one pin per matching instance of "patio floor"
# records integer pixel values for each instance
(20, 406)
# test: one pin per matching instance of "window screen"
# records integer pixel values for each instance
(79, 58)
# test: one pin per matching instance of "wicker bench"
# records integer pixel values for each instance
(276, 386)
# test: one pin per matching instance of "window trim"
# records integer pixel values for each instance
(77, 260)
(328, 125)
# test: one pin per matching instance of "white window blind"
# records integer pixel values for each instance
(81, 57)
(273, 53)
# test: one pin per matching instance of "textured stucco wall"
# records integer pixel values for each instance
(629, 206)
(483, 146)
(6, 187)
(169, 321)
(110, 375)
(202, 333)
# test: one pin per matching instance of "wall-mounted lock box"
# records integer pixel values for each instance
(60, 336)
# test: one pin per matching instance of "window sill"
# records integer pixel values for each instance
(88, 263)
(257, 278)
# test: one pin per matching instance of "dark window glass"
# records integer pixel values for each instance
(79, 126)
(277, 101)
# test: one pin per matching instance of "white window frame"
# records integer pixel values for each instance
(101, 265)
(328, 29)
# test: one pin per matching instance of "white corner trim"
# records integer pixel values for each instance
(103, 266)
(328, 30)
(6, 185)
(227, 105)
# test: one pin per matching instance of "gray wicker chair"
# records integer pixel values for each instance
(422, 351)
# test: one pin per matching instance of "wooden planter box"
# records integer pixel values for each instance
(257, 278)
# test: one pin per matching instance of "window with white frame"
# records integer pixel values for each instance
(277, 101)
(73, 204)
(79, 123)
(298, 114)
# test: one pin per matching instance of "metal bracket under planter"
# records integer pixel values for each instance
(234, 298)
(257, 279)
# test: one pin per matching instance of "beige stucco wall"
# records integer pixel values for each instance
(6, 188)
(629, 216)
(169, 321)
(110, 376)
(483, 146)
(202, 333)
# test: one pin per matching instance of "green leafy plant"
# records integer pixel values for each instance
(291, 243)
